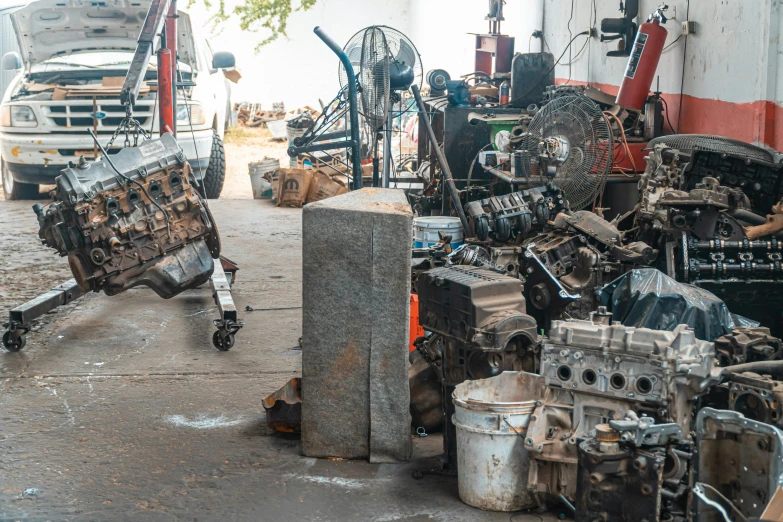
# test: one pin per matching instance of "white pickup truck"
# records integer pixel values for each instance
(73, 54)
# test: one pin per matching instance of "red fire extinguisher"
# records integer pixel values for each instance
(643, 62)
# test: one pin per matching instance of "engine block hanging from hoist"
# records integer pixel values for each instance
(132, 219)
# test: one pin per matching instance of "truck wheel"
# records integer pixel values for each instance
(14, 190)
(216, 172)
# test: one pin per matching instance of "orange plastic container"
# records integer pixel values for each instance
(416, 329)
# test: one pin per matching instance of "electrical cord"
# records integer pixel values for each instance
(684, 54)
(192, 131)
(624, 138)
(570, 35)
(470, 172)
(130, 180)
(723, 498)
(666, 105)
(671, 44)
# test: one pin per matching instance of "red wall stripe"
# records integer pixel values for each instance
(753, 122)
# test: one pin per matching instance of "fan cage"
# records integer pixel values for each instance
(582, 123)
(394, 38)
(717, 144)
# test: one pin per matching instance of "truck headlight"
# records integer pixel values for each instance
(197, 116)
(17, 116)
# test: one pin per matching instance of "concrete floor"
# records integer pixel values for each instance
(120, 408)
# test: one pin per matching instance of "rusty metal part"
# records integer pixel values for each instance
(757, 397)
(132, 219)
(621, 485)
(284, 407)
(643, 476)
(739, 457)
(745, 345)
(605, 433)
(773, 225)
(426, 394)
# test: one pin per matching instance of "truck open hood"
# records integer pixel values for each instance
(49, 28)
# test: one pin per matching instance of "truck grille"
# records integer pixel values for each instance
(75, 116)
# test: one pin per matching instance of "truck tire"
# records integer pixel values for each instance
(14, 190)
(216, 172)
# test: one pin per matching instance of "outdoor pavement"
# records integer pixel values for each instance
(120, 408)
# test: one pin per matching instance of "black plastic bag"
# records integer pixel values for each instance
(648, 298)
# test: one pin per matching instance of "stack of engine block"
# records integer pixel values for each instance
(634, 423)
(712, 206)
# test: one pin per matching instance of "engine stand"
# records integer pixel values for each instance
(20, 319)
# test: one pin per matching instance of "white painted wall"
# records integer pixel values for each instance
(728, 58)
(440, 30)
(300, 69)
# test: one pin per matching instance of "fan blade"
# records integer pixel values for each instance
(406, 54)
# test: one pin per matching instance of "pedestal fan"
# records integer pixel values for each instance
(387, 64)
(569, 143)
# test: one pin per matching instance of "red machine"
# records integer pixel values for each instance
(159, 31)
(643, 62)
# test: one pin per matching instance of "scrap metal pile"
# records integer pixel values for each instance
(653, 397)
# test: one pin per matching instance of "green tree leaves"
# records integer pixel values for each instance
(257, 15)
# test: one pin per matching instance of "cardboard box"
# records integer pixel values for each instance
(292, 187)
(324, 186)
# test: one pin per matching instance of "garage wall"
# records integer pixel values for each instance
(731, 83)
(300, 69)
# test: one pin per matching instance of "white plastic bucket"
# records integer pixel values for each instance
(262, 189)
(492, 462)
(425, 231)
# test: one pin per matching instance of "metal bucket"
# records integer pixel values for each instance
(262, 189)
(492, 419)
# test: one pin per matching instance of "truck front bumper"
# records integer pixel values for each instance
(38, 158)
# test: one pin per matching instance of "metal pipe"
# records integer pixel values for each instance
(387, 145)
(148, 40)
(356, 156)
(324, 137)
(769, 366)
(505, 176)
(165, 86)
(171, 45)
(318, 147)
(444, 165)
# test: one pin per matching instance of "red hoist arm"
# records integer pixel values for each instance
(159, 22)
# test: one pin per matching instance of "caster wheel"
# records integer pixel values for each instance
(14, 343)
(222, 341)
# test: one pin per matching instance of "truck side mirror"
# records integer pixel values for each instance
(13, 61)
(223, 60)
